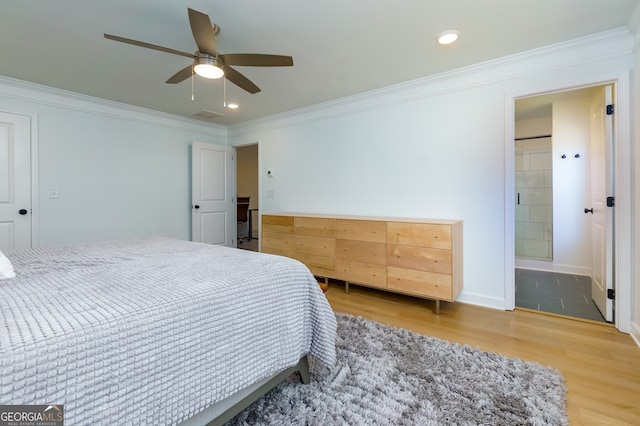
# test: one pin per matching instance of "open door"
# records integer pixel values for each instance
(601, 208)
(212, 199)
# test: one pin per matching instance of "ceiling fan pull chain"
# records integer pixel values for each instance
(193, 98)
(224, 91)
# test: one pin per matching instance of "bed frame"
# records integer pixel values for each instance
(228, 408)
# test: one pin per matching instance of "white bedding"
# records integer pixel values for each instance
(153, 330)
(6, 268)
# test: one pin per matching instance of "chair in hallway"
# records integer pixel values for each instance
(243, 218)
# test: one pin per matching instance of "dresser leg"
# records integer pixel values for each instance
(438, 307)
(346, 287)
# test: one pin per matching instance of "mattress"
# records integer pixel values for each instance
(153, 330)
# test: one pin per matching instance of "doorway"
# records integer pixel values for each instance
(554, 165)
(247, 187)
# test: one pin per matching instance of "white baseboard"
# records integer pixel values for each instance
(635, 332)
(541, 265)
(481, 300)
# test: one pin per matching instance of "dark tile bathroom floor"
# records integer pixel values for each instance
(556, 293)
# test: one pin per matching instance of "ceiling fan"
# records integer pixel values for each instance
(207, 61)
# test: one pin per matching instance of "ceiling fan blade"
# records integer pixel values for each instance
(257, 60)
(148, 45)
(240, 80)
(181, 75)
(203, 32)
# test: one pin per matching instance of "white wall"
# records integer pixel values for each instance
(121, 172)
(571, 186)
(433, 148)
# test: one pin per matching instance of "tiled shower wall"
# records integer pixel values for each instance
(534, 199)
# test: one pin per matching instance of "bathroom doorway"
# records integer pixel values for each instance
(554, 165)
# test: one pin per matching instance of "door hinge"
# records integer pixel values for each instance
(611, 201)
(610, 109)
(611, 294)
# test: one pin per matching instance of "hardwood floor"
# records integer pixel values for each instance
(601, 366)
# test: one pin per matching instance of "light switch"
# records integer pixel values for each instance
(54, 193)
(271, 193)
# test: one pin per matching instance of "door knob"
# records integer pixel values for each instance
(23, 211)
(588, 210)
(196, 207)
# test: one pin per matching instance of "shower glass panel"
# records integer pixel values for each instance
(534, 199)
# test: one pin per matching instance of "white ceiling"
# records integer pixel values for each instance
(339, 47)
(541, 106)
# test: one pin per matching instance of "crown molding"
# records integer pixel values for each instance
(21, 90)
(634, 26)
(596, 47)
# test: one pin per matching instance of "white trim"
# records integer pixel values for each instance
(623, 193)
(509, 203)
(635, 332)
(541, 265)
(43, 95)
(35, 206)
(609, 44)
(480, 300)
(622, 189)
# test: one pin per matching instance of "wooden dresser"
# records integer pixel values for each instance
(418, 257)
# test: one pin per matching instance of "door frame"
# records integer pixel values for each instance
(35, 210)
(259, 218)
(623, 255)
(33, 141)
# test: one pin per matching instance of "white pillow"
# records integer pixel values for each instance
(6, 268)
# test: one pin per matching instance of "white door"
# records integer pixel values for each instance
(601, 188)
(212, 199)
(15, 182)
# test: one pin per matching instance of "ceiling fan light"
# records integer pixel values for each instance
(207, 67)
(447, 37)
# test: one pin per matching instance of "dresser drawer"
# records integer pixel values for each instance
(417, 257)
(277, 243)
(324, 266)
(420, 283)
(419, 234)
(315, 226)
(361, 272)
(279, 224)
(315, 245)
(420, 258)
(361, 230)
(361, 251)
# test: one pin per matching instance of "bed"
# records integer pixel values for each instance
(156, 330)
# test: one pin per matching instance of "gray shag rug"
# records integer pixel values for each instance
(385, 375)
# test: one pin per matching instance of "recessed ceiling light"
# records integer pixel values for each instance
(447, 37)
(232, 106)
